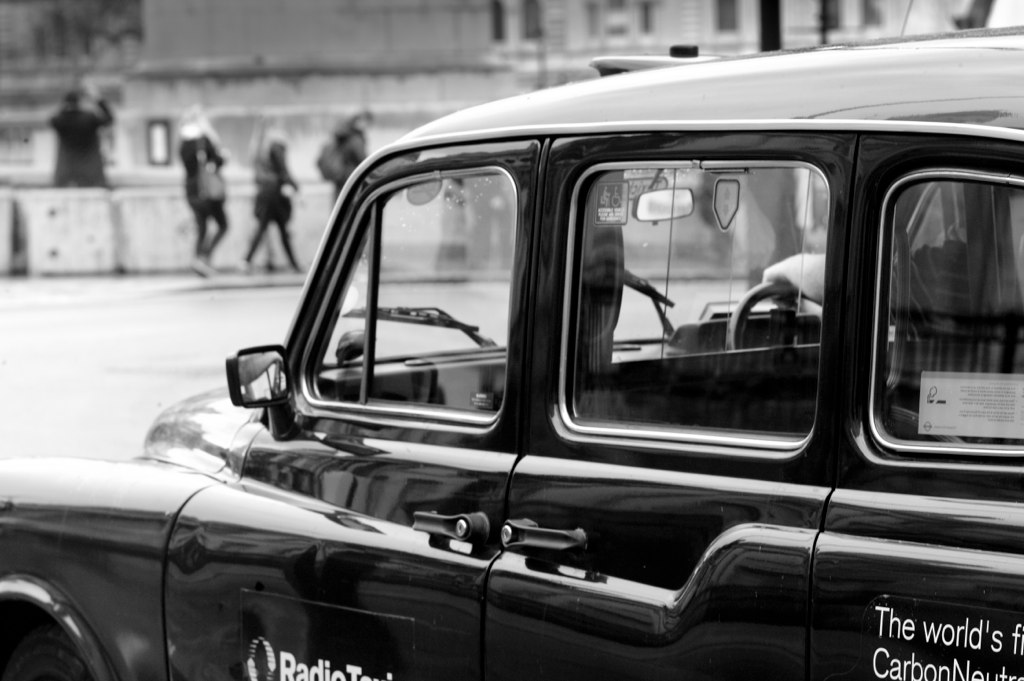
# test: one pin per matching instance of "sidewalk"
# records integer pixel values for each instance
(21, 291)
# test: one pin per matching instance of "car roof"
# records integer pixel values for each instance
(964, 78)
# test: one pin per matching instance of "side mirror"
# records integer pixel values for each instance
(257, 377)
(664, 204)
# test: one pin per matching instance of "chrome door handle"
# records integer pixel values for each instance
(463, 527)
(525, 532)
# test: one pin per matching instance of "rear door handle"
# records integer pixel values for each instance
(471, 527)
(524, 532)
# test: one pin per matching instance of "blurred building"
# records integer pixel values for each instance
(303, 64)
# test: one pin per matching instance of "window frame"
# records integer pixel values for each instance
(935, 449)
(363, 232)
(770, 448)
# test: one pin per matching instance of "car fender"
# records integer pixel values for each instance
(93, 537)
(204, 432)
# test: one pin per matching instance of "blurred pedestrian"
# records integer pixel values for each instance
(82, 115)
(345, 150)
(202, 155)
(274, 189)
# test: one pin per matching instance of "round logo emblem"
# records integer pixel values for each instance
(261, 664)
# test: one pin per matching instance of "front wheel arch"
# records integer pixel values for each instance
(27, 603)
(46, 653)
(17, 619)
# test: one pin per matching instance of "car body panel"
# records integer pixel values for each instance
(919, 80)
(205, 432)
(675, 577)
(106, 525)
(306, 569)
(914, 540)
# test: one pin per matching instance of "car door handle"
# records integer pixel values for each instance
(463, 527)
(524, 532)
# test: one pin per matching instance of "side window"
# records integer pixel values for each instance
(698, 298)
(424, 318)
(952, 361)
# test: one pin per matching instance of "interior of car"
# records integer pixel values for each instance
(953, 367)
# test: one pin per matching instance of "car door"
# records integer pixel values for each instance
(681, 432)
(919, 573)
(355, 544)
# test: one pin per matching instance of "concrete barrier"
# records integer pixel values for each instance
(145, 229)
(68, 231)
(155, 230)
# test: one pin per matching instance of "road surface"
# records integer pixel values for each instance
(85, 367)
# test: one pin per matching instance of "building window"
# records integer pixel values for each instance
(871, 13)
(620, 19)
(727, 19)
(593, 20)
(830, 19)
(158, 142)
(617, 21)
(16, 145)
(532, 20)
(647, 17)
(497, 21)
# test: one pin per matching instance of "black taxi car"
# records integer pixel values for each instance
(701, 372)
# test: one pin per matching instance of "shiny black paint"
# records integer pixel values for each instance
(698, 558)
(682, 573)
(91, 536)
(204, 432)
(255, 537)
(937, 528)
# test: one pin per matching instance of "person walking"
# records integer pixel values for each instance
(274, 189)
(83, 114)
(344, 151)
(202, 156)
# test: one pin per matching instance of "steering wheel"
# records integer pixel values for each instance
(780, 290)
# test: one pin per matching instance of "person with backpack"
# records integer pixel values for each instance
(345, 150)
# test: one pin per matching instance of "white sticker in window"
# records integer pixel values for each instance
(971, 404)
(612, 200)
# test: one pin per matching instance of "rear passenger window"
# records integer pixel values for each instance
(697, 300)
(951, 369)
(424, 319)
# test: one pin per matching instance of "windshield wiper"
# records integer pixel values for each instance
(427, 316)
(644, 287)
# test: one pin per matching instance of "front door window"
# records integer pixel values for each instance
(424, 319)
